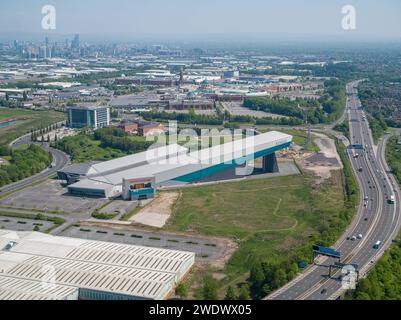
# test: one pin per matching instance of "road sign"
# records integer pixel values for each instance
(356, 146)
(329, 252)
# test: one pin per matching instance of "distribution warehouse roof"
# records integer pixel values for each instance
(124, 163)
(21, 289)
(119, 269)
(173, 161)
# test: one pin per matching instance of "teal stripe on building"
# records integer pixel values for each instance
(201, 174)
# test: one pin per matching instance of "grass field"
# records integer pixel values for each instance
(269, 218)
(26, 121)
(300, 138)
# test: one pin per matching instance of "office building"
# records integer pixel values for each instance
(91, 117)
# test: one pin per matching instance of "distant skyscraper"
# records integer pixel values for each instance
(75, 42)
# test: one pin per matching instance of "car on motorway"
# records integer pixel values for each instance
(360, 236)
(324, 291)
(353, 238)
(377, 245)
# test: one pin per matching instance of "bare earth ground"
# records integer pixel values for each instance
(157, 212)
(324, 162)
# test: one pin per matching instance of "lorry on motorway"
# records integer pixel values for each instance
(377, 245)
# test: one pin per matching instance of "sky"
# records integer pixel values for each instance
(380, 19)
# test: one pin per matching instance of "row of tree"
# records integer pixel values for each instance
(36, 133)
(116, 138)
(221, 119)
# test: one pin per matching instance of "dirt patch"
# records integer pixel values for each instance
(157, 212)
(323, 163)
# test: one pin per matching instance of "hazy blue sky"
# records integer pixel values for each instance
(314, 17)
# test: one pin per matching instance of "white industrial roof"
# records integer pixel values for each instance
(196, 161)
(12, 288)
(133, 160)
(143, 272)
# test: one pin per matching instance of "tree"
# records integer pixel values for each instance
(257, 276)
(5, 150)
(209, 290)
(231, 294)
(181, 290)
(244, 293)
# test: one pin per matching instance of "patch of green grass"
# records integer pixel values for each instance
(129, 215)
(84, 149)
(22, 147)
(26, 121)
(268, 218)
(104, 216)
(300, 138)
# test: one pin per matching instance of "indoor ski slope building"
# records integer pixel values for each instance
(138, 176)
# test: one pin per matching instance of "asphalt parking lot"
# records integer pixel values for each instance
(19, 224)
(206, 250)
(51, 196)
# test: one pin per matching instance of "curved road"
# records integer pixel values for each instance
(377, 220)
(60, 160)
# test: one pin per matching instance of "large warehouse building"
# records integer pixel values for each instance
(138, 176)
(36, 266)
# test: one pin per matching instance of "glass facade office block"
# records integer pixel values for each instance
(78, 118)
(91, 117)
(102, 117)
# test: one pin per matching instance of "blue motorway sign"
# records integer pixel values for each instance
(327, 251)
(355, 146)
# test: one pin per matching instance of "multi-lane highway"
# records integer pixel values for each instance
(60, 160)
(377, 219)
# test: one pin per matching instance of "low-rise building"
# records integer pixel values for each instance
(36, 266)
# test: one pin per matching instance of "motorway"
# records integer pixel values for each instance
(377, 220)
(60, 160)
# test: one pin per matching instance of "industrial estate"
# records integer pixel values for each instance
(198, 170)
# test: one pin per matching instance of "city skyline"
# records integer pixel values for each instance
(180, 19)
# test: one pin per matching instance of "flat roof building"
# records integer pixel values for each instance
(173, 165)
(38, 266)
(94, 117)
